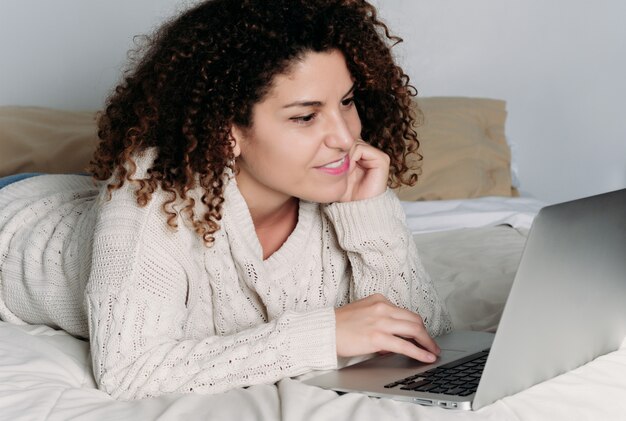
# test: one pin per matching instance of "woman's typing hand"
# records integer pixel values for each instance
(373, 324)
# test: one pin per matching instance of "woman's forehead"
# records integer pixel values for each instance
(312, 76)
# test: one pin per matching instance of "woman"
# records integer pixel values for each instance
(241, 229)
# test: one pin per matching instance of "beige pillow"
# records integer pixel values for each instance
(464, 148)
(45, 140)
(462, 141)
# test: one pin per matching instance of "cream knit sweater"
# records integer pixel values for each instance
(166, 314)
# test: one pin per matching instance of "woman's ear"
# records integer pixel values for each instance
(236, 136)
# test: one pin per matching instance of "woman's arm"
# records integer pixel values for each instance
(138, 317)
(384, 258)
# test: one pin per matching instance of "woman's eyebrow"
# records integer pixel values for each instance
(350, 92)
(306, 103)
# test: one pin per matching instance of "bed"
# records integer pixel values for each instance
(470, 225)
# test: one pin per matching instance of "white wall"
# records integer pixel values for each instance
(69, 53)
(558, 64)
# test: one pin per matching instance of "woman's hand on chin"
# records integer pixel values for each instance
(368, 173)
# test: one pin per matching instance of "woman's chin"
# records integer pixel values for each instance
(325, 197)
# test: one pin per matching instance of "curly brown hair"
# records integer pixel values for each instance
(205, 70)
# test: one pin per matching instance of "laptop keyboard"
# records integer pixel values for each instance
(458, 378)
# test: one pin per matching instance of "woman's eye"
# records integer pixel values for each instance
(348, 102)
(304, 119)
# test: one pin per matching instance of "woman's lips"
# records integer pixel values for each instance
(336, 167)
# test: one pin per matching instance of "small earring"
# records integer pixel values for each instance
(231, 168)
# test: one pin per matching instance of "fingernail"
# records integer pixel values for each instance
(430, 358)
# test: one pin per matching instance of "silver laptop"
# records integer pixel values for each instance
(566, 307)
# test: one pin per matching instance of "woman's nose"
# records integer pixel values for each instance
(338, 134)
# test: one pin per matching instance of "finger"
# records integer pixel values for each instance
(384, 307)
(404, 314)
(368, 156)
(355, 156)
(424, 338)
(408, 315)
(415, 331)
(404, 347)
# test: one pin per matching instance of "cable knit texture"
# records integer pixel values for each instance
(164, 313)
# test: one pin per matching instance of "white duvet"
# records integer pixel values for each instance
(46, 374)
(444, 215)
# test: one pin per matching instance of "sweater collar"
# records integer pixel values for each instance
(239, 228)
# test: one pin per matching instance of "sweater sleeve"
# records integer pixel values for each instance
(384, 258)
(136, 301)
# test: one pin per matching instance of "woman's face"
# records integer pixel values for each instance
(301, 134)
